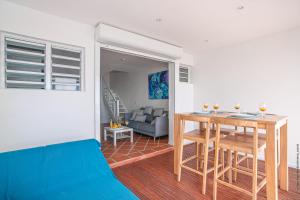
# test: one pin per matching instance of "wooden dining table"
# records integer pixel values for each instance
(275, 127)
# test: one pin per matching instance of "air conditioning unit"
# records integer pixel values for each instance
(110, 35)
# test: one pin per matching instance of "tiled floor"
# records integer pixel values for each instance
(126, 152)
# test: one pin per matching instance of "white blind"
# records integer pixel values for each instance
(66, 68)
(24, 64)
(184, 74)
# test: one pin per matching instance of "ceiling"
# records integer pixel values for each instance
(195, 25)
(115, 61)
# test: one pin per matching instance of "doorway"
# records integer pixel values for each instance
(116, 67)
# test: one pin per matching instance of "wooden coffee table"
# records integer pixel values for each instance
(118, 133)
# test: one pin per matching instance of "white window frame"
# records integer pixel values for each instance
(82, 62)
(2, 58)
(48, 61)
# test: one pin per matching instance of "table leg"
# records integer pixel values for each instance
(283, 168)
(105, 135)
(176, 142)
(201, 126)
(229, 163)
(115, 138)
(271, 164)
(131, 136)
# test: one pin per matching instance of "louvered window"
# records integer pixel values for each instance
(24, 64)
(184, 74)
(28, 63)
(66, 68)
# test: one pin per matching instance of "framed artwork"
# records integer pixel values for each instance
(158, 85)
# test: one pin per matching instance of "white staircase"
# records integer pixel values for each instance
(114, 103)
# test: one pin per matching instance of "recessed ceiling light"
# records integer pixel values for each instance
(205, 40)
(240, 7)
(158, 19)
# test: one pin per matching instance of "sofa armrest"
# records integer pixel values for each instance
(161, 126)
(128, 116)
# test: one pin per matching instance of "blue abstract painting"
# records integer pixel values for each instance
(158, 84)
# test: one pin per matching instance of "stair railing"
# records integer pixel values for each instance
(112, 103)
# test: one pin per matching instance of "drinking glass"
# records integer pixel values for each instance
(126, 123)
(262, 109)
(205, 107)
(237, 107)
(216, 107)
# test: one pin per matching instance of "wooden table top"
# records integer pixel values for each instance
(224, 117)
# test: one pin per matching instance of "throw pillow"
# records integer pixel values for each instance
(158, 112)
(133, 116)
(135, 113)
(149, 118)
(140, 118)
(140, 112)
(148, 110)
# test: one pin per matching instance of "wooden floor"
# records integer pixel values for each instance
(153, 178)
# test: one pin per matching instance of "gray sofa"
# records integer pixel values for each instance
(159, 128)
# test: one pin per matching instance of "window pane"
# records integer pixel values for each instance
(24, 64)
(66, 69)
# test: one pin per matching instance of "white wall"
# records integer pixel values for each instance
(132, 87)
(262, 70)
(30, 117)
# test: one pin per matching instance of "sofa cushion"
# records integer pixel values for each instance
(133, 116)
(146, 127)
(133, 124)
(135, 113)
(141, 126)
(140, 118)
(148, 110)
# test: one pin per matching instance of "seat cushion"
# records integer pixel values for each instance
(146, 127)
(133, 124)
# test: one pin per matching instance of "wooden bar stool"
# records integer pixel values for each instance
(205, 137)
(241, 143)
(263, 137)
(225, 132)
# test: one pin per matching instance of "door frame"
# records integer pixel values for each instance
(173, 65)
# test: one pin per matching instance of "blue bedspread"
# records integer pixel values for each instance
(68, 171)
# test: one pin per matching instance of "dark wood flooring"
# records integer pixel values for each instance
(153, 178)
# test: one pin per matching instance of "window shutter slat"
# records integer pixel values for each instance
(24, 64)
